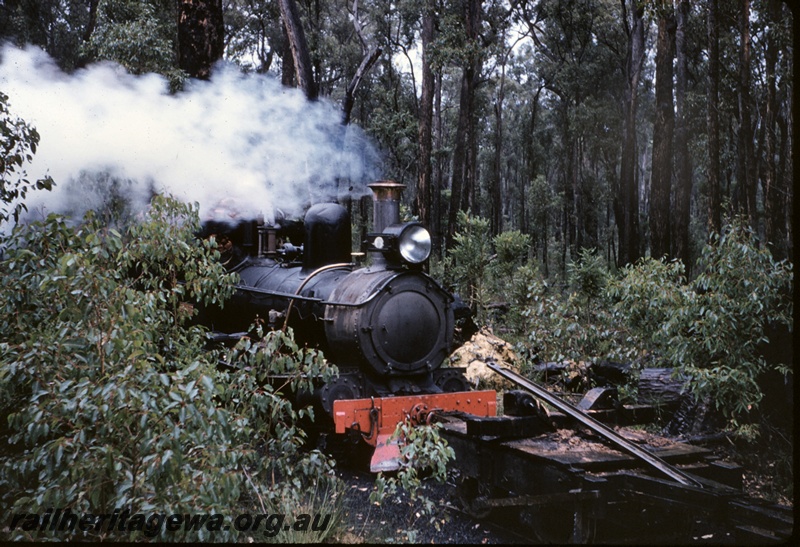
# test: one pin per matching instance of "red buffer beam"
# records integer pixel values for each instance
(377, 418)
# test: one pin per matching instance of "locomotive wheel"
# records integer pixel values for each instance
(473, 497)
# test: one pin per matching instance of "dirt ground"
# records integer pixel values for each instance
(401, 520)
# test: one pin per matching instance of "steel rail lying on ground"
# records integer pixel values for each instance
(599, 428)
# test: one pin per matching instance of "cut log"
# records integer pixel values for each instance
(658, 386)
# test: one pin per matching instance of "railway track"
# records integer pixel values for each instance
(588, 482)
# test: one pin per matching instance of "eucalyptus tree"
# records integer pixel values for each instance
(777, 123)
(426, 209)
(661, 178)
(712, 117)
(683, 161)
(57, 26)
(745, 196)
(253, 39)
(532, 202)
(201, 38)
(141, 36)
(463, 174)
(290, 16)
(577, 48)
(626, 199)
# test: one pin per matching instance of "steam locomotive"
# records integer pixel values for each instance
(388, 326)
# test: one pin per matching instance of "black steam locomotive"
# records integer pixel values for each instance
(388, 326)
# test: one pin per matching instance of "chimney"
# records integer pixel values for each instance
(386, 203)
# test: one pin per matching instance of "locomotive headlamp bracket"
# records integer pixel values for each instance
(408, 243)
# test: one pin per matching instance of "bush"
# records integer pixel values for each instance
(711, 329)
(111, 399)
(464, 267)
(511, 252)
(575, 326)
(423, 453)
(18, 142)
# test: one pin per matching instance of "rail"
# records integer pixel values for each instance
(599, 428)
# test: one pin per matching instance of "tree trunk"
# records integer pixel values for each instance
(774, 209)
(570, 185)
(683, 162)
(712, 118)
(745, 156)
(297, 44)
(495, 179)
(425, 134)
(370, 57)
(661, 178)
(87, 34)
(626, 200)
(350, 92)
(459, 154)
(537, 224)
(287, 62)
(464, 153)
(201, 35)
(437, 210)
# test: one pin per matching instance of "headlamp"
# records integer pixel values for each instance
(408, 243)
(414, 244)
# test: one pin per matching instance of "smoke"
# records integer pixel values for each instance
(237, 143)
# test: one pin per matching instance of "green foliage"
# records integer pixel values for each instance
(423, 451)
(138, 35)
(392, 123)
(511, 252)
(18, 142)
(645, 295)
(112, 401)
(520, 288)
(740, 291)
(711, 329)
(574, 326)
(465, 264)
(588, 275)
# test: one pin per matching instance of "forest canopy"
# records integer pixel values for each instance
(635, 128)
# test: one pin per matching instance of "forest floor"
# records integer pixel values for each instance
(400, 520)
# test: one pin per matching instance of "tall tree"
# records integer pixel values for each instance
(90, 26)
(774, 204)
(425, 117)
(201, 36)
(464, 149)
(661, 178)
(626, 198)
(371, 55)
(303, 69)
(712, 118)
(745, 160)
(683, 162)
(495, 176)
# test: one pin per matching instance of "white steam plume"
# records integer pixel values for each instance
(240, 138)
